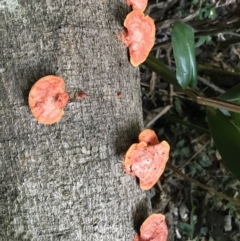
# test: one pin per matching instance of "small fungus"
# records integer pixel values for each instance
(154, 228)
(139, 36)
(149, 136)
(147, 159)
(47, 98)
(137, 4)
(119, 94)
(80, 95)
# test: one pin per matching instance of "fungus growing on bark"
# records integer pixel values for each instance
(80, 95)
(47, 98)
(119, 94)
(149, 136)
(154, 228)
(139, 36)
(137, 4)
(145, 161)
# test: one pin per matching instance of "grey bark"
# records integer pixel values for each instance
(65, 181)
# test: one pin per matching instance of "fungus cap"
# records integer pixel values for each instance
(47, 98)
(80, 95)
(136, 238)
(154, 228)
(128, 160)
(149, 136)
(139, 36)
(138, 4)
(146, 162)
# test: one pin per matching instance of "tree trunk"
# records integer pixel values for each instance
(65, 181)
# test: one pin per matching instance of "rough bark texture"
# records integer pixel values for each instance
(65, 181)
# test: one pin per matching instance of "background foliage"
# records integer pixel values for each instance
(206, 63)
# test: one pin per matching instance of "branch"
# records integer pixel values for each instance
(176, 170)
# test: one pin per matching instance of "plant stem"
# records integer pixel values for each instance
(157, 66)
(226, 43)
(212, 28)
(212, 190)
(182, 122)
(216, 70)
(213, 102)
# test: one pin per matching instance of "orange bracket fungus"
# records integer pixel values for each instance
(139, 36)
(147, 159)
(149, 136)
(47, 98)
(154, 228)
(137, 4)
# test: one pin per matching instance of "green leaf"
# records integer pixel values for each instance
(236, 118)
(202, 40)
(178, 105)
(204, 231)
(195, 2)
(205, 162)
(212, 13)
(233, 95)
(227, 139)
(185, 228)
(180, 144)
(184, 53)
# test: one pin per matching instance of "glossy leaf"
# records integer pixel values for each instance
(236, 117)
(233, 95)
(226, 137)
(186, 228)
(202, 40)
(184, 53)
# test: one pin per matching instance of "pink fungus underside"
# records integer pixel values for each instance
(139, 36)
(154, 228)
(137, 4)
(149, 163)
(47, 99)
(146, 162)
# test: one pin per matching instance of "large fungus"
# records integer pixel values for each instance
(137, 4)
(47, 98)
(154, 228)
(139, 36)
(147, 162)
